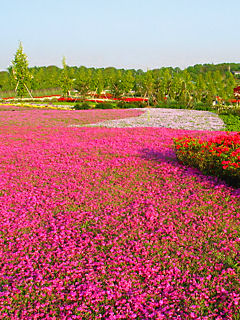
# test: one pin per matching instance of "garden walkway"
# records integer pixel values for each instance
(169, 118)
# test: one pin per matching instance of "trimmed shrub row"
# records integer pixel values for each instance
(177, 105)
(105, 105)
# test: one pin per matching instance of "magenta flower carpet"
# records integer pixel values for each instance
(104, 223)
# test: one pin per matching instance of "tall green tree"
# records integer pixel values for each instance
(83, 81)
(65, 82)
(211, 88)
(20, 72)
(4, 81)
(186, 95)
(97, 81)
(200, 91)
(162, 85)
(148, 85)
(127, 82)
(230, 84)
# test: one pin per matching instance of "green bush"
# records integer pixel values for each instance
(104, 106)
(53, 100)
(228, 109)
(140, 104)
(82, 106)
(178, 105)
(131, 105)
(151, 102)
(126, 105)
(202, 107)
(170, 105)
(230, 114)
(232, 122)
(123, 105)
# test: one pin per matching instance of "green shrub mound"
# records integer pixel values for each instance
(125, 105)
(104, 106)
(232, 122)
(228, 109)
(131, 105)
(171, 104)
(219, 156)
(82, 106)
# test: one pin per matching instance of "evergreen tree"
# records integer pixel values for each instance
(20, 72)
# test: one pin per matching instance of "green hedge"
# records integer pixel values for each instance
(177, 105)
(82, 106)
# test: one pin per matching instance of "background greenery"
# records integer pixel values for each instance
(195, 87)
(199, 83)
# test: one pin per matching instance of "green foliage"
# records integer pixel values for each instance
(172, 104)
(127, 82)
(65, 82)
(126, 105)
(219, 156)
(230, 114)
(104, 106)
(129, 105)
(140, 104)
(83, 81)
(203, 107)
(123, 105)
(228, 109)
(197, 84)
(232, 122)
(4, 81)
(162, 85)
(20, 73)
(116, 86)
(82, 106)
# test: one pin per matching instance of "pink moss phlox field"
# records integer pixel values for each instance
(41, 117)
(100, 223)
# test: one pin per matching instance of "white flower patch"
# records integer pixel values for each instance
(169, 118)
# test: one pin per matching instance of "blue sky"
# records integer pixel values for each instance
(130, 34)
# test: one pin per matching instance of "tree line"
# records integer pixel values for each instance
(199, 83)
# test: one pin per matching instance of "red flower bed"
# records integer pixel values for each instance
(131, 99)
(102, 96)
(68, 99)
(234, 101)
(96, 100)
(108, 96)
(219, 156)
(135, 100)
(50, 96)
